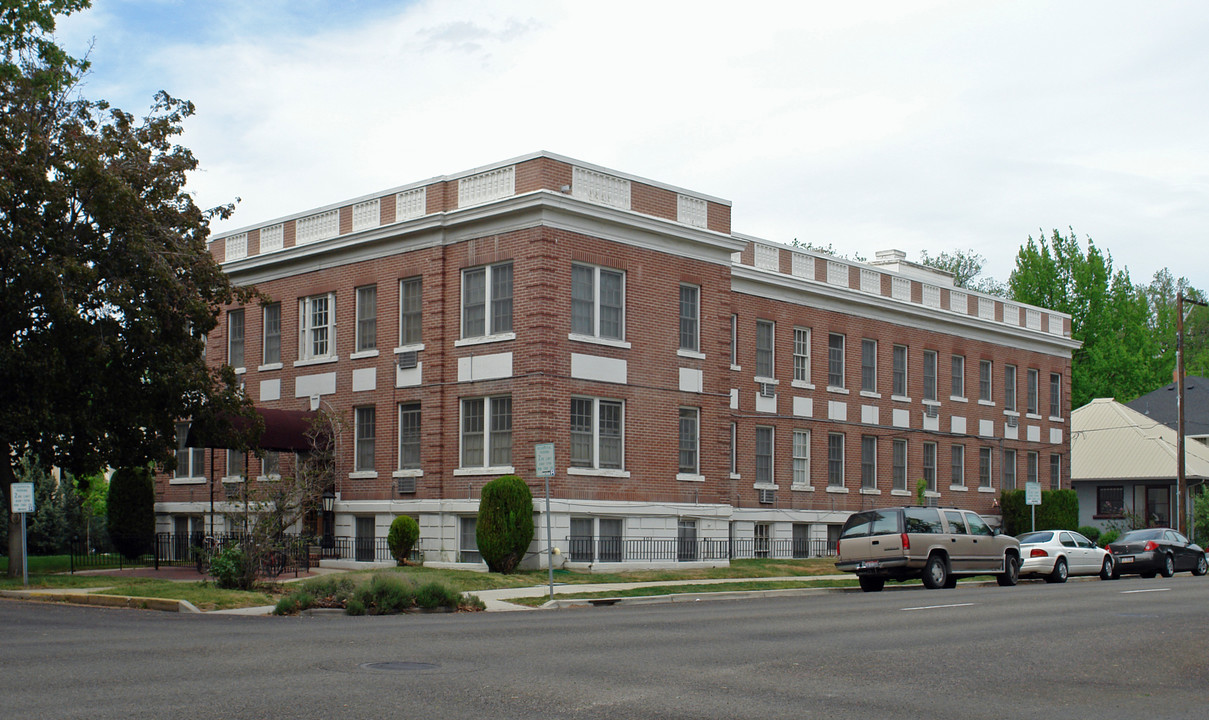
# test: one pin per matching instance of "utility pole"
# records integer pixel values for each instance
(1183, 504)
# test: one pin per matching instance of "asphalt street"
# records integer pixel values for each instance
(1132, 648)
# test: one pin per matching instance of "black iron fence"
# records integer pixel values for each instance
(618, 549)
(283, 554)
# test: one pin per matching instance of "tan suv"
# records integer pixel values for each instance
(935, 544)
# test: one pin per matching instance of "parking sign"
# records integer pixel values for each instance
(22, 497)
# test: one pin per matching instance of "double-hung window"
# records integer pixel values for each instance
(1055, 395)
(930, 375)
(411, 306)
(835, 360)
(868, 365)
(985, 479)
(765, 334)
(984, 381)
(900, 371)
(959, 377)
(957, 475)
(734, 340)
(835, 459)
(409, 436)
(597, 438)
(801, 458)
(1031, 468)
(364, 432)
(487, 432)
(868, 462)
(487, 300)
(190, 462)
(1009, 469)
(317, 327)
(1055, 471)
(690, 318)
(930, 466)
(235, 336)
(1009, 387)
(801, 355)
(597, 302)
(899, 463)
(367, 318)
(764, 445)
(1033, 377)
(272, 334)
(690, 440)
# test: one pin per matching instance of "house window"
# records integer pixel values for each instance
(801, 458)
(984, 381)
(869, 365)
(1055, 472)
(487, 432)
(270, 464)
(367, 318)
(1055, 395)
(597, 302)
(689, 440)
(801, 354)
(1009, 387)
(1033, 378)
(930, 465)
(411, 306)
(1110, 501)
(899, 464)
(596, 433)
(272, 334)
(929, 375)
(1031, 468)
(235, 464)
(235, 328)
(734, 444)
(765, 331)
(984, 467)
(1009, 469)
(957, 472)
(959, 376)
(835, 459)
(364, 432)
(868, 462)
(317, 327)
(761, 538)
(690, 319)
(764, 455)
(734, 339)
(487, 300)
(468, 541)
(190, 462)
(409, 436)
(835, 360)
(900, 371)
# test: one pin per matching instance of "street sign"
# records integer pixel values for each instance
(1032, 493)
(22, 497)
(543, 459)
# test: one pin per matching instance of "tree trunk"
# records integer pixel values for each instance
(16, 562)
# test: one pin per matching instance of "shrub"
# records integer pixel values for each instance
(1090, 532)
(1108, 536)
(354, 607)
(505, 523)
(1059, 510)
(434, 595)
(402, 536)
(388, 594)
(131, 507)
(229, 568)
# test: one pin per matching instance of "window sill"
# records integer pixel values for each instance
(231, 479)
(407, 472)
(736, 476)
(1032, 416)
(802, 488)
(484, 339)
(958, 398)
(735, 367)
(413, 347)
(268, 478)
(931, 494)
(690, 354)
(363, 475)
(599, 341)
(501, 470)
(187, 481)
(933, 403)
(986, 489)
(766, 380)
(765, 486)
(598, 472)
(1011, 413)
(986, 403)
(900, 398)
(837, 390)
(958, 488)
(690, 477)
(870, 491)
(240, 370)
(316, 361)
(837, 489)
(1055, 419)
(871, 394)
(901, 493)
(270, 366)
(363, 354)
(802, 384)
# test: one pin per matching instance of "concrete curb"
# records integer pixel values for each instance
(118, 601)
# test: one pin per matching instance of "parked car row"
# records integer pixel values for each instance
(938, 545)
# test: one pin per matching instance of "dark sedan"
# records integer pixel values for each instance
(1156, 551)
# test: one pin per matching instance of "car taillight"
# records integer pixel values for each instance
(906, 542)
(837, 547)
(1150, 546)
(1038, 552)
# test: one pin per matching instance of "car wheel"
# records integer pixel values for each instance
(872, 584)
(1168, 566)
(1202, 566)
(1011, 572)
(1106, 572)
(936, 572)
(1060, 572)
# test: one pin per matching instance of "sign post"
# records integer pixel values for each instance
(23, 503)
(543, 461)
(1032, 498)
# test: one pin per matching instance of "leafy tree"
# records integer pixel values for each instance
(93, 493)
(132, 511)
(402, 536)
(965, 266)
(828, 249)
(505, 524)
(1161, 297)
(106, 285)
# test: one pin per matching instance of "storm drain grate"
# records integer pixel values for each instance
(399, 666)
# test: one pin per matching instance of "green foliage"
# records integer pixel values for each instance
(402, 536)
(1090, 532)
(1200, 517)
(921, 492)
(230, 568)
(965, 266)
(131, 507)
(1108, 536)
(505, 523)
(1059, 510)
(433, 595)
(354, 606)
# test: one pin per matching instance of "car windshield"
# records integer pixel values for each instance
(1035, 537)
(1148, 534)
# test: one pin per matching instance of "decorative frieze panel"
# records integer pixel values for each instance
(237, 247)
(959, 302)
(900, 289)
(986, 308)
(768, 257)
(1032, 319)
(488, 186)
(366, 215)
(600, 188)
(1011, 314)
(803, 265)
(932, 296)
(692, 211)
(411, 204)
(272, 238)
(871, 281)
(837, 273)
(317, 227)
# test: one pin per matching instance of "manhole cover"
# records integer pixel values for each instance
(399, 666)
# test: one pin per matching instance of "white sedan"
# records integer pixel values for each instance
(1058, 554)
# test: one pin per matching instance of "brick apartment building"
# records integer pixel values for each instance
(709, 394)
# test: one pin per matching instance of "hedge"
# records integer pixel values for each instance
(1059, 510)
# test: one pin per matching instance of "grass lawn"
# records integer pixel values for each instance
(203, 595)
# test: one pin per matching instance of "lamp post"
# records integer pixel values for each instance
(329, 510)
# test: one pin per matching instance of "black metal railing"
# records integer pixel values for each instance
(363, 549)
(781, 549)
(617, 549)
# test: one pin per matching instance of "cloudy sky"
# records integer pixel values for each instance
(928, 125)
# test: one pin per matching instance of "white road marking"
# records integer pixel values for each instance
(1130, 592)
(937, 607)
